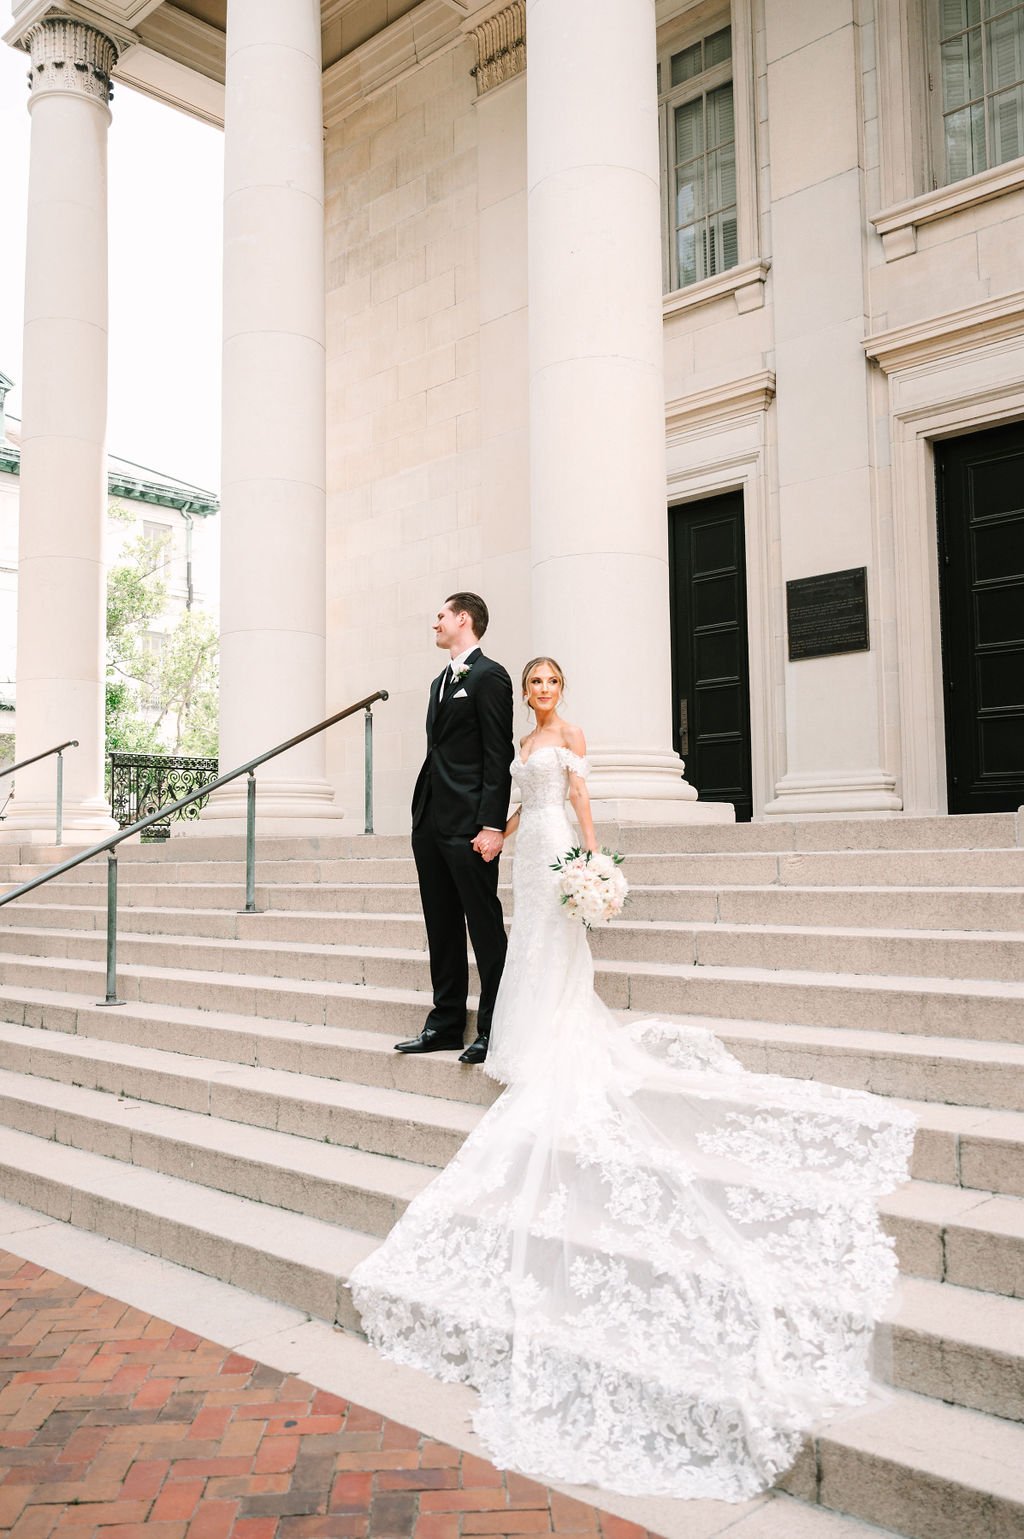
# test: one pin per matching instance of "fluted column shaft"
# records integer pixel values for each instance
(61, 579)
(597, 405)
(273, 595)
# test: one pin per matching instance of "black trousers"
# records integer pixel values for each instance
(459, 890)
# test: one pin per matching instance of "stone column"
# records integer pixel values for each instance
(597, 405)
(273, 595)
(61, 577)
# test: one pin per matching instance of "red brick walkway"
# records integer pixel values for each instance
(111, 1420)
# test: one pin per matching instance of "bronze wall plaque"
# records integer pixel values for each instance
(828, 614)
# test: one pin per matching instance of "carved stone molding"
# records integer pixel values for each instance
(71, 56)
(722, 403)
(942, 336)
(500, 46)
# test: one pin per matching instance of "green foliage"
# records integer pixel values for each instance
(186, 684)
(160, 698)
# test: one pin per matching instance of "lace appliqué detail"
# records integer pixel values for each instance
(658, 1269)
(573, 761)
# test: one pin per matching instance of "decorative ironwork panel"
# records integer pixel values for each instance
(142, 783)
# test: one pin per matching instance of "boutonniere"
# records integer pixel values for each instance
(459, 671)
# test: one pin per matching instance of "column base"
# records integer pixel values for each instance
(36, 823)
(636, 810)
(645, 787)
(283, 808)
(839, 795)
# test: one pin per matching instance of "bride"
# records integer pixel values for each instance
(658, 1269)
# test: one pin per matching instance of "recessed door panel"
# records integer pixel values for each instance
(980, 486)
(711, 714)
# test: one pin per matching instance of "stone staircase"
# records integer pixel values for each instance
(243, 1112)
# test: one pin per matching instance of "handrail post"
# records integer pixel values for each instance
(60, 796)
(250, 844)
(111, 998)
(368, 771)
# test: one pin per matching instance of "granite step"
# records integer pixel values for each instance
(962, 909)
(289, 1257)
(814, 868)
(248, 1071)
(353, 939)
(933, 1069)
(386, 990)
(402, 1123)
(921, 1468)
(898, 832)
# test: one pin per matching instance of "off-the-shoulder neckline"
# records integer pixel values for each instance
(547, 748)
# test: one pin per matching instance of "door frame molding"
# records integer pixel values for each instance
(722, 440)
(966, 391)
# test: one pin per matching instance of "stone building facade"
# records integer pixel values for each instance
(691, 334)
(142, 504)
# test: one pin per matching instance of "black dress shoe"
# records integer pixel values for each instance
(431, 1041)
(476, 1052)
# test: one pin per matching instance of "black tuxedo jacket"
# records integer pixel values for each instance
(466, 774)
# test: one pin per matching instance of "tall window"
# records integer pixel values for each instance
(698, 128)
(981, 77)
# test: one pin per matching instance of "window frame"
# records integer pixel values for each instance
(939, 170)
(696, 89)
(687, 25)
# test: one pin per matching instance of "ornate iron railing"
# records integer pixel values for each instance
(141, 783)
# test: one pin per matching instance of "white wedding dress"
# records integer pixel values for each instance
(657, 1268)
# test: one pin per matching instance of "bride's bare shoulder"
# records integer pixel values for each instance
(573, 739)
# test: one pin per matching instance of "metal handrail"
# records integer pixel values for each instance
(58, 749)
(109, 845)
(72, 742)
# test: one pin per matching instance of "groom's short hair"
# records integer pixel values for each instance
(473, 605)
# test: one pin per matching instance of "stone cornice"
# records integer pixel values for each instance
(957, 331)
(722, 403)
(185, 40)
(500, 39)
(897, 225)
(432, 26)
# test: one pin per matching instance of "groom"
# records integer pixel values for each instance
(459, 808)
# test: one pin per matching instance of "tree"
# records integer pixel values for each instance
(185, 685)
(161, 693)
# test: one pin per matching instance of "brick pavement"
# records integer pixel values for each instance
(118, 1425)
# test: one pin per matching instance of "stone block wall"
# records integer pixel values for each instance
(403, 517)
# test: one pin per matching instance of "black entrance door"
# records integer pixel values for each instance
(711, 689)
(980, 483)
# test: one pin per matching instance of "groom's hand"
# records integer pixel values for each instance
(488, 843)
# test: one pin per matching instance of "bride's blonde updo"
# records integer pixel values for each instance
(555, 669)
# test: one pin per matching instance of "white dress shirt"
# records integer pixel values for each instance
(461, 657)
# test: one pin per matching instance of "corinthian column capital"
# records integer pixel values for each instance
(70, 56)
(500, 45)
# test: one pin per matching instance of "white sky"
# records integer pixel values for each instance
(165, 273)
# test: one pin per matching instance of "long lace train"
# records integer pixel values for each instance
(657, 1268)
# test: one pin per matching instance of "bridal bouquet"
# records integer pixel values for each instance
(592, 887)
